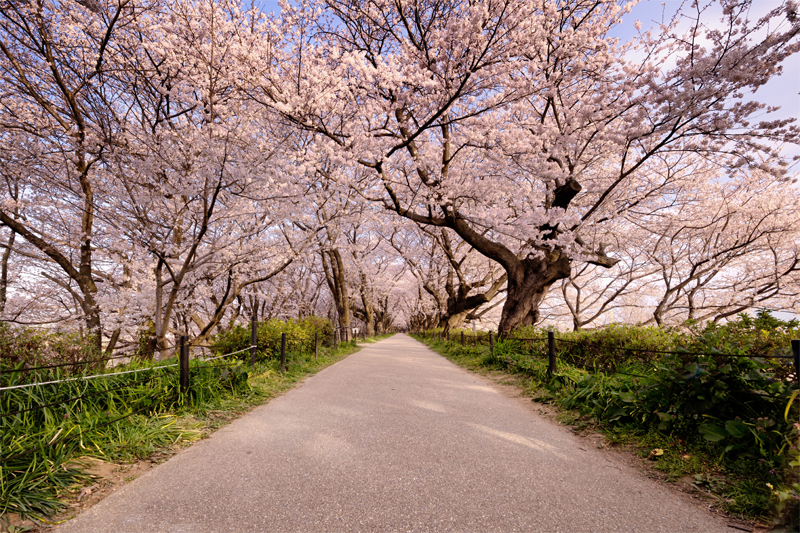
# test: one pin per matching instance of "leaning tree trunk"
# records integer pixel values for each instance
(459, 304)
(528, 284)
(530, 277)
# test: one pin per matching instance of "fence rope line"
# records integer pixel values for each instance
(95, 393)
(111, 358)
(85, 377)
(229, 365)
(600, 346)
(710, 354)
(87, 362)
(537, 339)
(111, 374)
(228, 354)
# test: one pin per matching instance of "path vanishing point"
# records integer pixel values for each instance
(394, 438)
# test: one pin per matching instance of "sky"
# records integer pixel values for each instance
(781, 91)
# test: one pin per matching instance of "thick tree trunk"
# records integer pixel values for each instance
(527, 286)
(459, 304)
(92, 312)
(453, 321)
(529, 278)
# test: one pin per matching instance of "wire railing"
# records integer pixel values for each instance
(152, 402)
(581, 362)
(47, 407)
(182, 364)
(85, 378)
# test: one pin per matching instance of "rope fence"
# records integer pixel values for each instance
(551, 341)
(35, 402)
(232, 353)
(182, 364)
(86, 362)
(84, 378)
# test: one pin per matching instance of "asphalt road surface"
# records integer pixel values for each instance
(394, 438)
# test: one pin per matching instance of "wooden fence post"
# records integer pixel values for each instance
(491, 343)
(283, 352)
(551, 353)
(316, 345)
(183, 364)
(462, 338)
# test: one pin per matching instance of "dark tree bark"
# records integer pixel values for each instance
(530, 277)
(333, 266)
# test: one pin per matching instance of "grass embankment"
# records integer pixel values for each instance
(124, 418)
(726, 425)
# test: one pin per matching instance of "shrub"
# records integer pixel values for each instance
(30, 347)
(299, 337)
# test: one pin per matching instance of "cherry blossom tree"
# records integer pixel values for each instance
(56, 128)
(521, 125)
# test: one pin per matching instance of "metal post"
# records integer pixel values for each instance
(551, 353)
(448, 335)
(491, 343)
(796, 353)
(183, 364)
(316, 345)
(283, 352)
(462, 338)
(335, 337)
(253, 341)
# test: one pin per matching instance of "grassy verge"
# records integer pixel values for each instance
(47, 453)
(376, 338)
(739, 480)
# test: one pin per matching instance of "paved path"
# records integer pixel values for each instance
(394, 438)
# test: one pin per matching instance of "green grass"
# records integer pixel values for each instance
(35, 484)
(737, 473)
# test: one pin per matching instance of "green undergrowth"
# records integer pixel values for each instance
(376, 338)
(726, 425)
(135, 416)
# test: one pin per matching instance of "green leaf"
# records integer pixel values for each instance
(789, 406)
(736, 429)
(755, 375)
(627, 397)
(712, 432)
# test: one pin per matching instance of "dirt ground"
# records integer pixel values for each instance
(107, 478)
